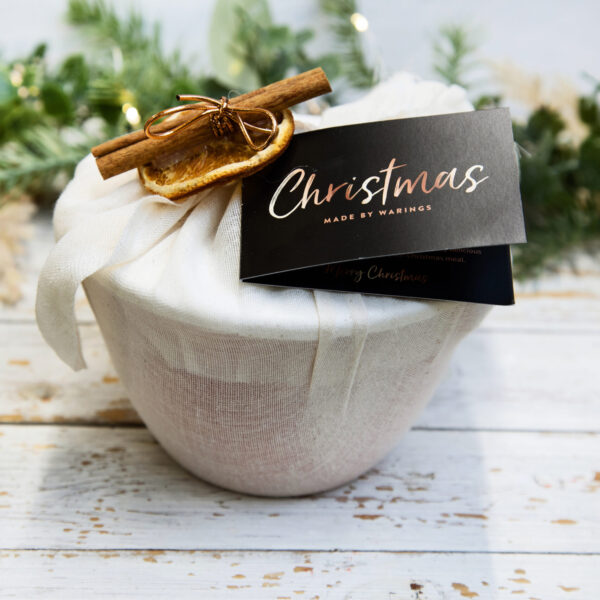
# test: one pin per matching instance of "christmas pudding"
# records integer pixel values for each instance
(266, 390)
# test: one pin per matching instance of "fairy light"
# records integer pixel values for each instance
(360, 22)
(16, 77)
(235, 67)
(132, 115)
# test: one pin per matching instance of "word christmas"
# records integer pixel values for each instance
(424, 182)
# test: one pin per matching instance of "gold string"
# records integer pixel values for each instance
(223, 119)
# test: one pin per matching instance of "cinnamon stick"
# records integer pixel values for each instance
(129, 151)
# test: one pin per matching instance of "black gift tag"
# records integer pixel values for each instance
(370, 208)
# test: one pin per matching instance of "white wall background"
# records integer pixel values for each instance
(547, 37)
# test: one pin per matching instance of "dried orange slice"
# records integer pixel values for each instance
(219, 161)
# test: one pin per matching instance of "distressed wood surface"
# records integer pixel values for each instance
(292, 575)
(30, 264)
(37, 387)
(520, 381)
(91, 487)
(493, 495)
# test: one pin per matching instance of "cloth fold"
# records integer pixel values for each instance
(114, 237)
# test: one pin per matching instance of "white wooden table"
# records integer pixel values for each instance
(494, 494)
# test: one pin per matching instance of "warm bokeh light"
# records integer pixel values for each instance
(132, 115)
(16, 77)
(360, 22)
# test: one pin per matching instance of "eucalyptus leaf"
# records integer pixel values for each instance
(7, 90)
(588, 112)
(228, 67)
(56, 102)
(589, 171)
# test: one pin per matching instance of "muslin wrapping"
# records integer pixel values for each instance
(264, 390)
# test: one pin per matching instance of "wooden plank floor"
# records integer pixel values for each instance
(494, 494)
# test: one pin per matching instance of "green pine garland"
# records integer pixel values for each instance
(50, 118)
(352, 64)
(453, 54)
(560, 182)
(560, 186)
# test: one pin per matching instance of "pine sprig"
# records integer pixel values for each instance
(132, 67)
(560, 187)
(453, 54)
(259, 50)
(353, 64)
(43, 111)
(272, 50)
(129, 34)
(41, 162)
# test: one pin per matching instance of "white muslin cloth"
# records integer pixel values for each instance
(263, 390)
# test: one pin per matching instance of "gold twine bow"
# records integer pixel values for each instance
(222, 117)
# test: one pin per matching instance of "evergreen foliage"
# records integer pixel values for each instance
(49, 118)
(560, 181)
